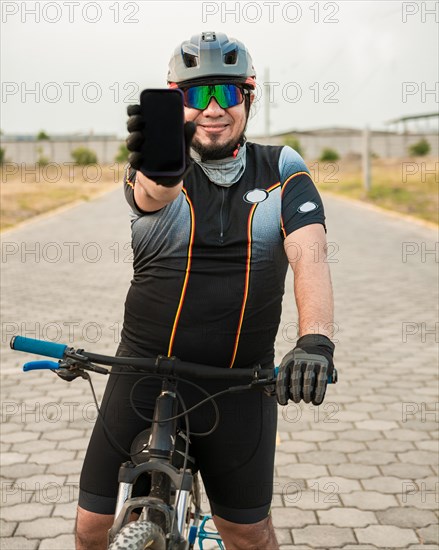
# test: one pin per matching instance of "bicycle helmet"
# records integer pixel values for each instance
(211, 56)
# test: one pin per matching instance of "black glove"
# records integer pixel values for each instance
(303, 372)
(134, 142)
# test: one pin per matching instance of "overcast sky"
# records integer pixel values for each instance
(348, 63)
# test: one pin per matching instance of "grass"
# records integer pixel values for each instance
(25, 194)
(409, 186)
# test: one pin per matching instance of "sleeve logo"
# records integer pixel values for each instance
(306, 207)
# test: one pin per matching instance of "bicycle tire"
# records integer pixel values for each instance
(139, 535)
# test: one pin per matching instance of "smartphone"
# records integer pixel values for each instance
(164, 147)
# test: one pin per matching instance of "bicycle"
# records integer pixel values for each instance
(171, 513)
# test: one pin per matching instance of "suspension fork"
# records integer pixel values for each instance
(162, 444)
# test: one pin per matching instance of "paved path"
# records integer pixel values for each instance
(358, 472)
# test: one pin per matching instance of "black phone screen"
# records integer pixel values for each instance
(163, 149)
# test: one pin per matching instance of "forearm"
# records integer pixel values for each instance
(314, 298)
(149, 196)
(306, 252)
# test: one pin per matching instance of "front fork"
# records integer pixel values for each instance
(161, 446)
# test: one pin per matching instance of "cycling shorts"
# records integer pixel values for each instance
(236, 461)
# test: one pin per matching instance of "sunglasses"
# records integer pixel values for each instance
(226, 95)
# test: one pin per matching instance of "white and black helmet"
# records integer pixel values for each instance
(211, 56)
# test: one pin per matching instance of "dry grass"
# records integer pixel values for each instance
(409, 186)
(26, 194)
(402, 185)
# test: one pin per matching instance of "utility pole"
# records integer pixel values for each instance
(366, 159)
(267, 104)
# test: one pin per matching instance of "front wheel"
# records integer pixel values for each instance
(139, 535)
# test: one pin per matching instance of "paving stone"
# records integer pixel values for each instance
(429, 535)
(20, 470)
(361, 435)
(296, 446)
(312, 499)
(314, 435)
(64, 435)
(34, 447)
(7, 528)
(283, 485)
(386, 536)
(19, 436)
(77, 444)
(372, 457)
(67, 510)
(302, 471)
(390, 445)
(65, 467)
(62, 542)
(45, 527)
(428, 445)
(342, 446)
(410, 517)
(52, 457)
(283, 459)
(384, 484)
(283, 536)
(292, 517)
(330, 484)
(325, 536)
(26, 512)
(418, 457)
(368, 500)
(376, 425)
(19, 543)
(406, 471)
(13, 458)
(404, 434)
(346, 517)
(354, 471)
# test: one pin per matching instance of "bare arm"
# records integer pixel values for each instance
(150, 197)
(306, 252)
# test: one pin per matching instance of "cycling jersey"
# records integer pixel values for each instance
(209, 267)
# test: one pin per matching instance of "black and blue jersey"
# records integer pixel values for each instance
(209, 268)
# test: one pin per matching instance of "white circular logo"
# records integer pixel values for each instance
(256, 195)
(307, 207)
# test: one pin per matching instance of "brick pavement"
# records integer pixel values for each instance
(360, 472)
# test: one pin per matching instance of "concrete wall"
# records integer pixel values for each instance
(384, 145)
(350, 142)
(26, 152)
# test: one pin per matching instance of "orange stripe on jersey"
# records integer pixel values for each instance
(186, 278)
(282, 192)
(247, 281)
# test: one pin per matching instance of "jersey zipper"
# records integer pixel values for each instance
(221, 239)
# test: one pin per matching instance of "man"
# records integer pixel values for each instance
(211, 251)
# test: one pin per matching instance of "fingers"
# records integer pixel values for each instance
(133, 110)
(135, 160)
(134, 141)
(321, 384)
(308, 382)
(135, 123)
(296, 382)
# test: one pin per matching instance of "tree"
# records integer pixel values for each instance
(84, 156)
(420, 148)
(42, 136)
(329, 155)
(294, 143)
(122, 154)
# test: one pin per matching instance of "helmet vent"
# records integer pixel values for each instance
(190, 60)
(230, 58)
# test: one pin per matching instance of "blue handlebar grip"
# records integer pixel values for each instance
(39, 347)
(38, 365)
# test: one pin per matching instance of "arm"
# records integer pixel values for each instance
(151, 197)
(306, 252)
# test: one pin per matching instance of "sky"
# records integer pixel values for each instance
(73, 67)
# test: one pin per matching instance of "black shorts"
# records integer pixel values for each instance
(236, 461)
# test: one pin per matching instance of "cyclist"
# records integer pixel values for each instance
(211, 252)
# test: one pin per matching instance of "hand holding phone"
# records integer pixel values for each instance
(159, 138)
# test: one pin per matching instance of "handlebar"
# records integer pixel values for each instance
(161, 365)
